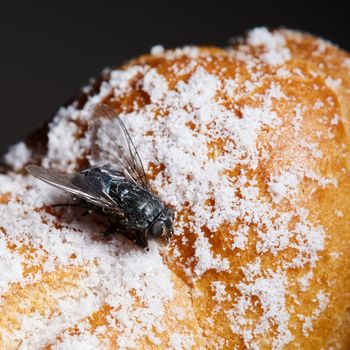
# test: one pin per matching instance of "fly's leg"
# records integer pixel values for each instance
(66, 205)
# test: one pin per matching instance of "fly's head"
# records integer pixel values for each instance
(163, 225)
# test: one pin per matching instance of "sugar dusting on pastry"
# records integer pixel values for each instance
(205, 153)
(276, 52)
(113, 268)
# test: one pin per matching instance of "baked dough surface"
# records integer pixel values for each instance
(249, 145)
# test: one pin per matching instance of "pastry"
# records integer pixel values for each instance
(250, 147)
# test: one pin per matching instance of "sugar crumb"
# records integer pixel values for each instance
(18, 156)
(157, 50)
(275, 44)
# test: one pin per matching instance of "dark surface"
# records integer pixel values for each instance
(49, 49)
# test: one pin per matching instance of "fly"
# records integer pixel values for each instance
(119, 191)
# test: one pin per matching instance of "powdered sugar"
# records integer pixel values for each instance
(78, 342)
(112, 270)
(322, 299)
(18, 156)
(274, 43)
(333, 84)
(209, 155)
(205, 259)
(181, 341)
(272, 297)
(284, 185)
(318, 104)
(347, 63)
(157, 50)
(220, 293)
(10, 266)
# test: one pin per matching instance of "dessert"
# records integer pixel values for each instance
(249, 145)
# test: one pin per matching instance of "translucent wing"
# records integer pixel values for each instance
(123, 151)
(64, 182)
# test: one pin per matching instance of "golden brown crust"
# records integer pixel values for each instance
(272, 276)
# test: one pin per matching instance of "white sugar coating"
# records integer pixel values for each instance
(181, 342)
(155, 85)
(240, 237)
(335, 255)
(66, 154)
(298, 119)
(333, 84)
(275, 44)
(271, 292)
(335, 120)
(285, 184)
(339, 213)
(157, 50)
(206, 261)
(10, 266)
(318, 104)
(219, 290)
(252, 270)
(347, 63)
(39, 330)
(188, 51)
(175, 129)
(283, 73)
(113, 267)
(79, 342)
(313, 147)
(304, 281)
(322, 300)
(18, 155)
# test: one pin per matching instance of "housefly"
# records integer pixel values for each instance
(119, 191)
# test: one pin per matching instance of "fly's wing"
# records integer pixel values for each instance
(64, 182)
(123, 150)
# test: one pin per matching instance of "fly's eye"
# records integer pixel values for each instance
(157, 229)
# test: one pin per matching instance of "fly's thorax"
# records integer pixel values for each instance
(143, 213)
(140, 205)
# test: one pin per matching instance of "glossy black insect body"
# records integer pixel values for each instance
(119, 191)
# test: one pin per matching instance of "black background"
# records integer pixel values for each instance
(49, 49)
